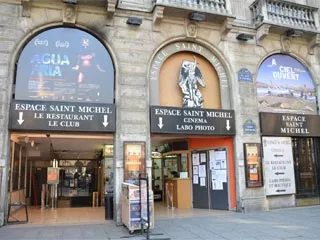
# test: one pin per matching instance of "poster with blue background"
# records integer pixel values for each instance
(285, 85)
(65, 64)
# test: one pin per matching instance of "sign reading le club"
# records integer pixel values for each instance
(198, 121)
(62, 116)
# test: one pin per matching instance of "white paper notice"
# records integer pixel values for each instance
(202, 171)
(196, 170)
(195, 159)
(223, 164)
(202, 181)
(221, 175)
(217, 185)
(203, 157)
(221, 155)
(195, 179)
(217, 164)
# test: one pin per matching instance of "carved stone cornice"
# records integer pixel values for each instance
(262, 31)
(313, 43)
(70, 13)
(158, 15)
(226, 27)
(26, 8)
(111, 7)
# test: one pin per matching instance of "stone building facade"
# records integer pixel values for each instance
(141, 34)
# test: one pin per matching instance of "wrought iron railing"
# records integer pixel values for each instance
(284, 13)
(219, 7)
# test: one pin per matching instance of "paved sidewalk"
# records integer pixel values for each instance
(301, 223)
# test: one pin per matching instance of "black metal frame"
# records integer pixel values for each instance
(144, 221)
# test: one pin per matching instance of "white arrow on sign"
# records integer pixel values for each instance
(105, 120)
(228, 125)
(160, 123)
(20, 119)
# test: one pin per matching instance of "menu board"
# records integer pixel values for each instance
(65, 64)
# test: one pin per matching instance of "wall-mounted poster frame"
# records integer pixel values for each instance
(134, 161)
(253, 166)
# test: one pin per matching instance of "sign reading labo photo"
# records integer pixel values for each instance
(192, 121)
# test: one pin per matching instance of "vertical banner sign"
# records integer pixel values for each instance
(278, 166)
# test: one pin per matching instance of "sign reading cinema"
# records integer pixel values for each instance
(192, 121)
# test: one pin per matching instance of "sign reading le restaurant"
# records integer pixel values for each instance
(192, 121)
(62, 116)
(283, 124)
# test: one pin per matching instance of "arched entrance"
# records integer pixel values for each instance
(62, 121)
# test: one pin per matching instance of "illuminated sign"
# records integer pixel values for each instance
(65, 64)
(285, 85)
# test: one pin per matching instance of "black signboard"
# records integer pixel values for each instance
(192, 121)
(62, 116)
(283, 124)
(65, 64)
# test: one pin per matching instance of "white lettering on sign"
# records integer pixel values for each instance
(285, 73)
(168, 112)
(294, 124)
(278, 165)
(29, 107)
(62, 115)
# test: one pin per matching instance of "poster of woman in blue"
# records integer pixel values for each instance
(285, 85)
(65, 64)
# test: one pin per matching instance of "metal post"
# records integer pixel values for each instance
(12, 165)
(19, 176)
(25, 175)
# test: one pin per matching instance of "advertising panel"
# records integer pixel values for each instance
(285, 85)
(65, 64)
(278, 166)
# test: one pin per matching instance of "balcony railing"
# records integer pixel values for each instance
(219, 7)
(285, 14)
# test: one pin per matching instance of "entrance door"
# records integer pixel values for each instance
(200, 180)
(218, 179)
(210, 179)
(307, 168)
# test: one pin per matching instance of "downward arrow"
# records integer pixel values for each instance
(105, 120)
(160, 123)
(228, 125)
(20, 119)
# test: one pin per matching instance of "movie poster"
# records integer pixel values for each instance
(65, 64)
(285, 85)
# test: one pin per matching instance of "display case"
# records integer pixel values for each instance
(130, 207)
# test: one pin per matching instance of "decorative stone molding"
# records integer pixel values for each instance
(286, 44)
(70, 13)
(26, 8)
(313, 43)
(262, 32)
(191, 29)
(226, 27)
(111, 8)
(157, 15)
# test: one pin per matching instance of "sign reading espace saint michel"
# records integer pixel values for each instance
(62, 116)
(198, 121)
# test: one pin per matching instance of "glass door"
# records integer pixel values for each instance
(306, 152)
